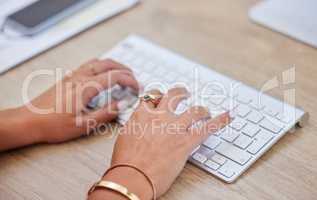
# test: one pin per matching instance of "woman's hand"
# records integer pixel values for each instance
(159, 143)
(69, 99)
(61, 113)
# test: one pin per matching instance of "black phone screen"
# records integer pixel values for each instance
(41, 11)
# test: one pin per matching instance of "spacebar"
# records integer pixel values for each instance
(233, 153)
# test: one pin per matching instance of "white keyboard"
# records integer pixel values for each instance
(256, 127)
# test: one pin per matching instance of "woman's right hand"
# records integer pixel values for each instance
(159, 143)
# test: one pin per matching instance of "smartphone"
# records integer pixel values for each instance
(42, 14)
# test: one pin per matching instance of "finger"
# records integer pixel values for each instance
(193, 115)
(96, 84)
(173, 97)
(150, 105)
(110, 79)
(85, 69)
(95, 67)
(109, 65)
(202, 132)
(102, 115)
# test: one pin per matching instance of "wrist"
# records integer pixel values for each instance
(33, 124)
(15, 129)
(26, 123)
(128, 177)
(30, 122)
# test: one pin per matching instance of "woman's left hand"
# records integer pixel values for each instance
(69, 117)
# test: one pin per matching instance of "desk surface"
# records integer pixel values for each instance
(216, 33)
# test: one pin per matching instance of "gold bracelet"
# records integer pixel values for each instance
(114, 187)
(140, 171)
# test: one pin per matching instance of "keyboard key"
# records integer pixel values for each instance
(199, 157)
(255, 117)
(184, 80)
(243, 110)
(226, 171)
(238, 124)
(251, 130)
(212, 165)
(270, 112)
(212, 142)
(137, 62)
(261, 139)
(149, 66)
(126, 58)
(129, 46)
(230, 135)
(216, 100)
(137, 71)
(219, 132)
(229, 104)
(283, 118)
(160, 72)
(243, 141)
(171, 77)
(144, 77)
(256, 105)
(264, 135)
(233, 153)
(219, 159)
(244, 99)
(270, 126)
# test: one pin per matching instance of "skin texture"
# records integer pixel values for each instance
(155, 140)
(159, 143)
(68, 117)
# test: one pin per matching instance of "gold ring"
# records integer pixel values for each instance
(155, 99)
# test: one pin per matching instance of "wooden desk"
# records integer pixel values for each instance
(217, 33)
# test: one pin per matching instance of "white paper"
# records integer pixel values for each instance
(295, 18)
(14, 51)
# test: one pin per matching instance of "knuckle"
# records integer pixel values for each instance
(178, 92)
(155, 92)
(109, 62)
(91, 63)
(199, 110)
(112, 62)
